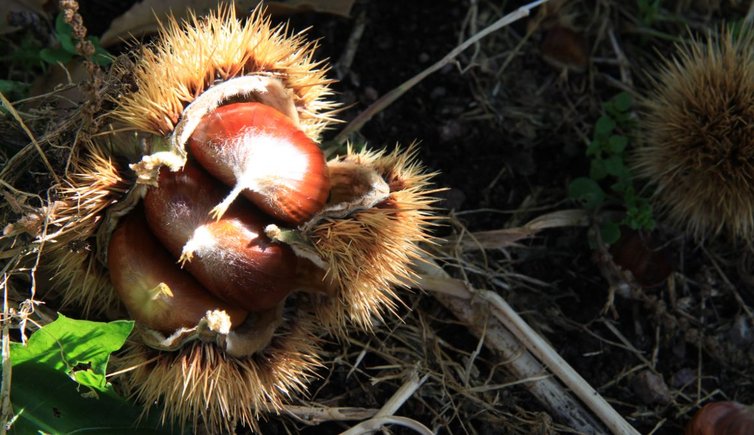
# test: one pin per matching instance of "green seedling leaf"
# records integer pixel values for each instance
(614, 166)
(604, 126)
(101, 57)
(610, 232)
(622, 102)
(46, 400)
(597, 170)
(78, 348)
(617, 144)
(13, 89)
(55, 55)
(594, 149)
(587, 191)
(64, 33)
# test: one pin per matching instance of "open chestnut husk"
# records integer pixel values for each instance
(330, 261)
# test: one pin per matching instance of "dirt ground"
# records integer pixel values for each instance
(507, 131)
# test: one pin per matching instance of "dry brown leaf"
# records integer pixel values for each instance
(18, 6)
(143, 18)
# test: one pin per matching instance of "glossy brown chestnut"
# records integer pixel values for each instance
(154, 290)
(722, 418)
(231, 257)
(264, 156)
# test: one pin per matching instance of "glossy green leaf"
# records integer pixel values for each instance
(79, 348)
(46, 400)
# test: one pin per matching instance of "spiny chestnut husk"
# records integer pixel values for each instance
(699, 122)
(722, 418)
(266, 157)
(155, 291)
(231, 257)
(351, 240)
(368, 251)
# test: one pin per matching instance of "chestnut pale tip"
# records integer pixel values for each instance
(155, 292)
(264, 156)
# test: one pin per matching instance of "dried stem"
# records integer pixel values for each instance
(509, 334)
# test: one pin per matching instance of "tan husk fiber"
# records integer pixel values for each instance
(188, 57)
(700, 136)
(368, 253)
(203, 385)
(94, 184)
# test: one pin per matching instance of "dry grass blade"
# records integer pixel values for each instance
(376, 423)
(314, 415)
(495, 239)
(8, 106)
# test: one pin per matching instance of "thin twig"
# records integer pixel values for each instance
(396, 93)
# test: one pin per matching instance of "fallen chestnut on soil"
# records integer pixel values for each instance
(231, 257)
(264, 156)
(722, 418)
(154, 290)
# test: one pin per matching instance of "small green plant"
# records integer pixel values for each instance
(67, 49)
(59, 382)
(608, 168)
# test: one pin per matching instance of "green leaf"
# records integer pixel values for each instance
(614, 166)
(597, 170)
(46, 400)
(79, 348)
(587, 191)
(616, 144)
(101, 57)
(604, 126)
(594, 149)
(622, 102)
(610, 232)
(13, 89)
(55, 55)
(64, 33)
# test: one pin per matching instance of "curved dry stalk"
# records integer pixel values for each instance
(404, 87)
(385, 414)
(505, 331)
(374, 424)
(314, 415)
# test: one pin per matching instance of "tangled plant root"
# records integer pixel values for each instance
(700, 137)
